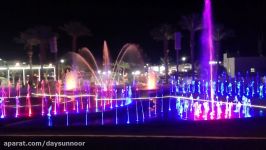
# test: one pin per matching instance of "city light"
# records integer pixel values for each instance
(213, 62)
(183, 59)
(137, 72)
(62, 61)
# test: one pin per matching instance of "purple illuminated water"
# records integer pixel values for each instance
(207, 43)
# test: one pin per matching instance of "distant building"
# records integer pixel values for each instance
(234, 65)
(185, 67)
(18, 72)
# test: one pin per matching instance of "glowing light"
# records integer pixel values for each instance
(213, 62)
(252, 69)
(151, 83)
(49, 116)
(207, 38)
(183, 59)
(29, 104)
(17, 107)
(67, 122)
(2, 101)
(17, 64)
(128, 120)
(137, 72)
(3, 68)
(55, 104)
(71, 81)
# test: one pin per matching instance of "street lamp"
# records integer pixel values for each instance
(62, 61)
(17, 64)
(183, 59)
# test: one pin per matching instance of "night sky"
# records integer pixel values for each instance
(120, 22)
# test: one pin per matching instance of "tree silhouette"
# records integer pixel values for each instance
(164, 33)
(191, 23)
(219, 34)
(76, 30)
(29, 40)
(39, 35)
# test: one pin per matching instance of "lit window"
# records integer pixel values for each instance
(252, 69)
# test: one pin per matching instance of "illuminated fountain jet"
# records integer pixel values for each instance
(151, 80)
(71, 80)
(106, 74)
(2, 107)
(208, 48)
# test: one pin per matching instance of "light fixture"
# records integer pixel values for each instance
(183, 59)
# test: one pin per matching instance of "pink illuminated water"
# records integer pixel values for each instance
(152, 82)
(71, 80)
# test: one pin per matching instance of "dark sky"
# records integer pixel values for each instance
(120, 22)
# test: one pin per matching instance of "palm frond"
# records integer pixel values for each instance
(76, 29)
(162, 32)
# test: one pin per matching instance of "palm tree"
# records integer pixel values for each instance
(220, 34)
(164, 33)
(123, 66)
(29, 40)
(76, 30)
(43, 34)
(191, 23)
(39, 35)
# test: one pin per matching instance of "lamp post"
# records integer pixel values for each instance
(183, 59)
(62, 61)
